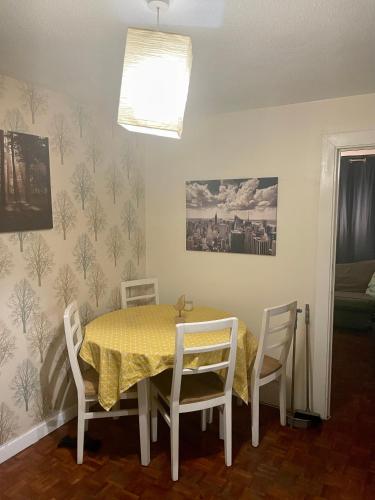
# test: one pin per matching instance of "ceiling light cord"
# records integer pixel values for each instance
(158, 6)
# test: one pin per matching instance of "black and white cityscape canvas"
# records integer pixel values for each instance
(232, 215)
(25, 189)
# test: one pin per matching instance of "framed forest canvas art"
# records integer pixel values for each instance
(25, 187)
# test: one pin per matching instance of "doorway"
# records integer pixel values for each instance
(353, 346)
(322, 317)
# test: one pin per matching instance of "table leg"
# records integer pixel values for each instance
(144, 420)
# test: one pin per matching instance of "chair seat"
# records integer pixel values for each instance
(270, 365)
(194, 388)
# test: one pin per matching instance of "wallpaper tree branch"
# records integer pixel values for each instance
(39, 257)
(129, 272)
(93, 152)
(20, 237)
(34, 100)
(8, 423)
(114, 302)
(97, 283)
(7, 344)
(14, 121)
(66, 285)
(64, 213)
(40, 335)
(97, 239)
(61, 138)
(115, 181)
(22, 303)
(129, 218)
(115, 244)
(96, 217)
(84, 254)
(83, 186)
(24, 383)
(6, 261)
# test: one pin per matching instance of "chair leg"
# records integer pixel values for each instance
(174, 443)
(154, 415)
(254, 414)
(144, 419)
(116, 406)
(210, 415)
(221, 422)
(282, 397)
(80, 437)
(204, 418)
(227, 417)
(87, 408)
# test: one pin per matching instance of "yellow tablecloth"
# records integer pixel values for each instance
(129, 345)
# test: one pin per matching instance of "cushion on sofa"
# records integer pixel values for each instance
(371, 287)
(354, 276)
(354, 301)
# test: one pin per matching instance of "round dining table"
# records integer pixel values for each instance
(128, 346)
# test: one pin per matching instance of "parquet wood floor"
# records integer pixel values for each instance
(336, 461)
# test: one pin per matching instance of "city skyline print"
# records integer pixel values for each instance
(232, 215)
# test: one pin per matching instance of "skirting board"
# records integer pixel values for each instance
(36, 433)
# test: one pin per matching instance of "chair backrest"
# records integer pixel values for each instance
(133, 292)
(268, 340)
(200, 328)
(73, 336)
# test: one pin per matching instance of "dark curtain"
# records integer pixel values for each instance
(356, 210)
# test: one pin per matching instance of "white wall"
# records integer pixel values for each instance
(282, 141)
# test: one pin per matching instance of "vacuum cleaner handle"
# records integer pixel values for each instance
(294, 359)
(307, 346)
(293, 365)
(307, 314)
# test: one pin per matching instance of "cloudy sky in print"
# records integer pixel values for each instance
(254, 198)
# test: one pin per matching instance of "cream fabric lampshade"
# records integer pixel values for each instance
(155, 82)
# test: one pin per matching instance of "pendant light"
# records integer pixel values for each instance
(155, 80)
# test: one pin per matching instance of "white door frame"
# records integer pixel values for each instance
(322, 326)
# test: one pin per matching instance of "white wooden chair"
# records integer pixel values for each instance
(202, 391)
(127, 297)
(86, 381)
(266, 368)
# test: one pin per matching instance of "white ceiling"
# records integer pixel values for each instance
(247, 53)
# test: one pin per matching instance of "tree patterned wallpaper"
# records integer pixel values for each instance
(97, 240)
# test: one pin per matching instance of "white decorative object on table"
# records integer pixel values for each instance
(188, 305)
